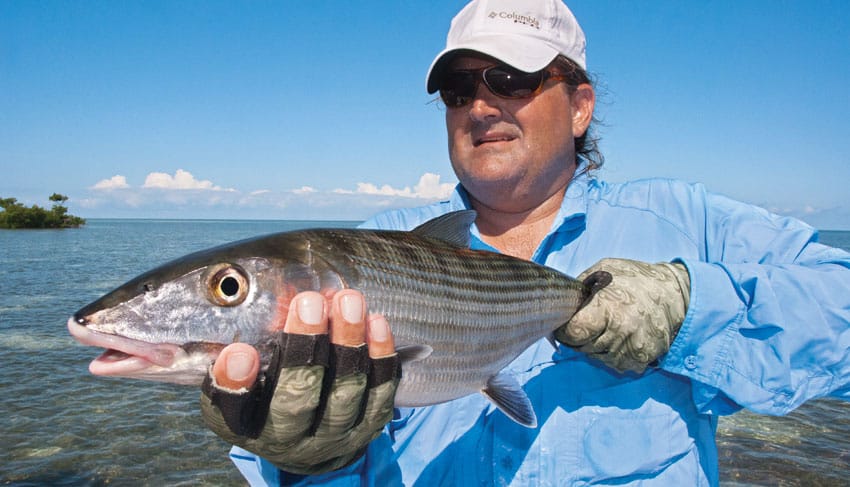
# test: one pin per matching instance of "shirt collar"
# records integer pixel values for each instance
(573, 209)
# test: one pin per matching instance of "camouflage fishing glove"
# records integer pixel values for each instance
(633, 320)
(314, 410)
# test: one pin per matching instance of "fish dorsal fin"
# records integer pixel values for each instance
(413, 353)
(451, 228)
(505, 392)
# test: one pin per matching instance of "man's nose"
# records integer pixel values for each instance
(485, 105)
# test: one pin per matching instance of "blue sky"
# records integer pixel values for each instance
(317, 110)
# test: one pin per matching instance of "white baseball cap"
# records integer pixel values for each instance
(525, 34)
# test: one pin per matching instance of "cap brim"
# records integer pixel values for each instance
(520, 52)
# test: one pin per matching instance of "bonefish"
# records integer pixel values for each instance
(458, 316)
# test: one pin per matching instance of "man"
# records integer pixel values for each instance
(714, 305)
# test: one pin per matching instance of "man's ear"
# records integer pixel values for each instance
(583, 100)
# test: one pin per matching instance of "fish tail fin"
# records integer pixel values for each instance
(505, 392)
(593, 283)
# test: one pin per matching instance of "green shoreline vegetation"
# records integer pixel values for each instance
(15, 215)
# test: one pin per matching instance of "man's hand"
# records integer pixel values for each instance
(633, 320)
(322, 400)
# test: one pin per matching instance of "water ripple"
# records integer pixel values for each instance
(63, 427)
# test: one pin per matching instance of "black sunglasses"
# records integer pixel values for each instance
(458, 87)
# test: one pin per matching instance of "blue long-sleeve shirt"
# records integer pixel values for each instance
(768, 327)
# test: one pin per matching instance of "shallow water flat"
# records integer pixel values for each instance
(62, 426)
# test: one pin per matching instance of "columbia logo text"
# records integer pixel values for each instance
(516, 18)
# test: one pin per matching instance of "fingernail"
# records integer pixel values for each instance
(379, 329)
(239, 366)
(351, 307)
(310, 309)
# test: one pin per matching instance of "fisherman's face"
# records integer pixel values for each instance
(510, 154)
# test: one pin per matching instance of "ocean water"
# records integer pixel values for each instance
(61, 426)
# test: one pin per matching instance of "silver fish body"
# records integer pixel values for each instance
(465, 314)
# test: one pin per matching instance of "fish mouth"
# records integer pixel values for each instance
(126, 357)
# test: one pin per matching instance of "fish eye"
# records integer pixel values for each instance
(227, 285)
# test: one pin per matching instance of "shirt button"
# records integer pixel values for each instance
(690, 362)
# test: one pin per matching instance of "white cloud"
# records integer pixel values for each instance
(385, 190)
(181, 180)
(115, 182)
(183, 195)
(428, 188)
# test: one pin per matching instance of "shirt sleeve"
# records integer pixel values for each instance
(768, 324)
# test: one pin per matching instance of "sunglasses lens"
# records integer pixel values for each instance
(458, 88)
(510, 83)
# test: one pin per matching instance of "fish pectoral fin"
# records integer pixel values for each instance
(412, 353)
(452, 228)
(505, 392)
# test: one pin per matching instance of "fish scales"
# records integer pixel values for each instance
(458, 316)
(466, 282)
(465, 304)
(460, 298)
